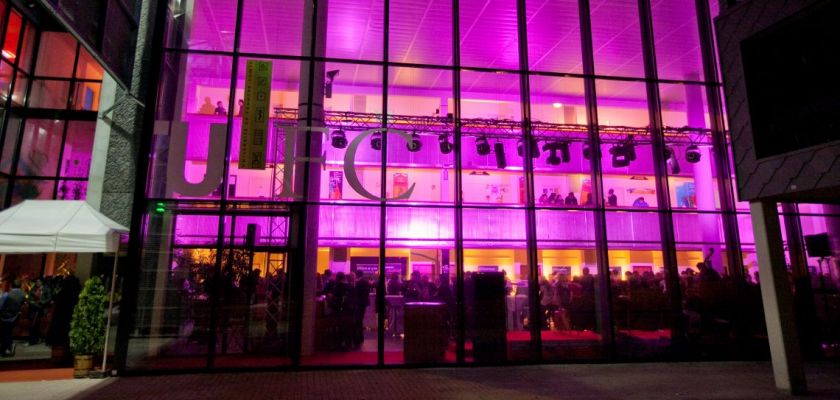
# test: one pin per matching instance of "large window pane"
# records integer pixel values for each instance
(561, 171)
(692, 177)
(491, 147)
(88, 68)
(272, 26)
(54, 52)
(173, 331)
(264, 184)
(253, 321)
(421, 32)
(86, 96)
(49, 94)
(19, 92)
(10, 142)
(420, 316)
(569, 294)
(27, 47)
(6, 73)
(677, 40)
(495, 296)
(203, 25)
(626, 152)
(340, 317)
(190, 133)
(418, 102)
(355, 30)
(554, 36)
(40, 147)
(616, 38)
(354, 107)
(32, 189)
(488, 34)
(78, 148)
(10, 43)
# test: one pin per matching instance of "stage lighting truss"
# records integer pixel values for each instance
(496, 128)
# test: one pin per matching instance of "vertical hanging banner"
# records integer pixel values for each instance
(255, 115)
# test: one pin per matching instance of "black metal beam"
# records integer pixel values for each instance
(666, 222)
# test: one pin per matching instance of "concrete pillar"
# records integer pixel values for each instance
(118, 131)
(777, 299)
(311, 103)
(704, 183)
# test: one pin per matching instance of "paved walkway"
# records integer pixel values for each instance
(603, 382)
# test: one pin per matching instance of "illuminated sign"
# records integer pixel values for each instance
(255, 115)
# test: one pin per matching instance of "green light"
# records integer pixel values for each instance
(160, 208)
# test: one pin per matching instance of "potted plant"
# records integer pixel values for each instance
(87, 328)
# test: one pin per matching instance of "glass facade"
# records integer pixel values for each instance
(49, 97)
(554, 185)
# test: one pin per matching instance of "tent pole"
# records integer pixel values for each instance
(110, 310)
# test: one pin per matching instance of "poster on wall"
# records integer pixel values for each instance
(400, 183)
(370, 265)
(561, 270)
(686, 196)
(255, 115)
(495, 193)
(586, 192)
(336, 188)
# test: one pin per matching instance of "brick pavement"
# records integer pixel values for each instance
(610, 381)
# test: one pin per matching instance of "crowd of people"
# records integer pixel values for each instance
(43, 306)
(347, 297)
(571, 200)
(640, 300)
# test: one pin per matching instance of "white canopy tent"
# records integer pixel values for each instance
(59, 226)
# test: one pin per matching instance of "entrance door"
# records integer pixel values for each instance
(252, 308)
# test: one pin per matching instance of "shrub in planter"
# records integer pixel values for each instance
(87, 328)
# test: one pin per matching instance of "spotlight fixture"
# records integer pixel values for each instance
(620, 157)
(623, 153)
(328, 85)
(481, 146)
(587, 152)
(445, 145)
(414, 145)
(338, 139)
(552, 158)
(535, 148)
(630, 147)
(671, 160)
(692, 154)
(552, 148)
(501, 160)
(376, 141)
(564, 151)
(675, 166)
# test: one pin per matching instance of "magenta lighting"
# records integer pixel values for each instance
(450, 252)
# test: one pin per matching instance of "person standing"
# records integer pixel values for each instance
(571, 200)
(362, 303)
(612, 199)
(220, 109)
(11, 302)
(39, 298)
